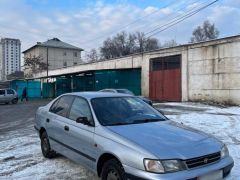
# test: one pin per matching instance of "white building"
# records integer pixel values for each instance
(57, 53)
(10, 57)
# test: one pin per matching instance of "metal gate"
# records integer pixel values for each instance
(125, 78)
(165, 78)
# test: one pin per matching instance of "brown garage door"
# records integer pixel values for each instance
(165, 78)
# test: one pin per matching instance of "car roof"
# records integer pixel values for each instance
(6, 89)
(114, 89)
(98, 94)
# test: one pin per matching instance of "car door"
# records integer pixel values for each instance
(10, 94)
(80, 137)
(56, 122)
(2, 95)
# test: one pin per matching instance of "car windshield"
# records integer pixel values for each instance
(124, 91)
(112, 111)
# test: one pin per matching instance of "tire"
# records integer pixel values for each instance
(14, 101)
(113, 170)
(45, 147)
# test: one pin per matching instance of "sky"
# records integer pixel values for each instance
(87, 23)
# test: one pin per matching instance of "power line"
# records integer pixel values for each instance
(176, 17)
(129, 24)
(166, 25)
(184, 17)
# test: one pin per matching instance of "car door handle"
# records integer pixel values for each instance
(66, 128)
(47, 120)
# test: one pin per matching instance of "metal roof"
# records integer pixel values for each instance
(54, 43)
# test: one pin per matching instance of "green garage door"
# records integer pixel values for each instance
(83, 82)
(127, 79)
(33, 88)
(63, 85)
(48, 90)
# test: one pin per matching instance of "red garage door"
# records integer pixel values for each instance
(165, 78)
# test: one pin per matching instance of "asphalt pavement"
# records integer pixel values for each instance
(18, 116)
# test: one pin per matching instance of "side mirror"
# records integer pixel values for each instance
(83, 120)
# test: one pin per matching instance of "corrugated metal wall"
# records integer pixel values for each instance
(127, 79)
(63, 85)
(33, 87)
(83, 82)
(87, 81)
(48, 90)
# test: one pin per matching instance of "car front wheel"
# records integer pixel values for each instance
(113, 170)
(45, 146)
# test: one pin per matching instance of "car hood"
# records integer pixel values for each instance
(169, 140)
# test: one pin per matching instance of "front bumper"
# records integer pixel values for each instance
(225, 164)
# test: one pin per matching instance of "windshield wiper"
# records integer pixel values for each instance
(146, 120)
(117, 124)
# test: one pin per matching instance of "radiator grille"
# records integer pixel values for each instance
(203, 160)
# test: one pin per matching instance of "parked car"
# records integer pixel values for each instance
(8, 96)
(119, 136)
(126, 91)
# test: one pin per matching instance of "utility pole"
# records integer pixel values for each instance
(47, 74)
(47, 65)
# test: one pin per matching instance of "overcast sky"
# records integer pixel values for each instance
(86, 23)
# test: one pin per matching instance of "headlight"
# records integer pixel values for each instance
(173, 165)
(153, 166)
(163, 166)
(224, 152)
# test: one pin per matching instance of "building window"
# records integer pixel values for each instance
(65, 64)
(64, 53)
(75, 54)
(75, 63)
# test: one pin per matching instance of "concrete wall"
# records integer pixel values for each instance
(214, 72)
(209, 71)
(57, 57)
(1, 63)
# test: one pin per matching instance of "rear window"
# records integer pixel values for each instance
(125, 91)
(2, 92)
(62, 106)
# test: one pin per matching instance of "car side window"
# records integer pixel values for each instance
(80, 108)
(62, 107)
(2, 92)
(108, 90)
(54, 106)
(10, 91)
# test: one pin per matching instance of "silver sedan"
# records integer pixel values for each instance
(120, 137)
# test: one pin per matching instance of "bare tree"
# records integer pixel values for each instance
(35, 64)
(124, 44)
(205, 32)
(92, 56)
(170, 43)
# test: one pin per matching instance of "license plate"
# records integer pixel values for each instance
(217, 175)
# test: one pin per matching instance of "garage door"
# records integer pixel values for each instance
(165, 78)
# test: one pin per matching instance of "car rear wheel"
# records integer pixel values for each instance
(45, 146)
(14, 101)
(113, 170)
